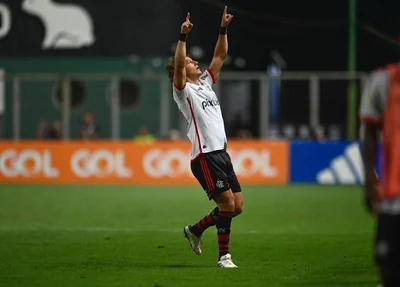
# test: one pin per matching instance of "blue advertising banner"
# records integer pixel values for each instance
(327, 163)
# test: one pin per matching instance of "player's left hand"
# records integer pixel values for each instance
(226, 18)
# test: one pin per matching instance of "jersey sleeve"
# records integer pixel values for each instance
(179, 91)
(208, 77)
(373, 97)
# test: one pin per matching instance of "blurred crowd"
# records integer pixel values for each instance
(237, 129)
(88, 129)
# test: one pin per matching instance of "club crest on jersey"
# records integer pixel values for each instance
(209, 103)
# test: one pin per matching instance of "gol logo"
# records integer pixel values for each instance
(99, 163)
(175, 163)
(250, 162)
(27, 163)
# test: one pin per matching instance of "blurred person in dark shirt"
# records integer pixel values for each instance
(41, 130)
(88, 129)
(54, 131)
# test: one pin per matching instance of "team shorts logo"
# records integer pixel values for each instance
(27, 163)
(209, 103)
(99, 163)
(219, 183)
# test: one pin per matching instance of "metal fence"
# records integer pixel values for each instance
(24, 90)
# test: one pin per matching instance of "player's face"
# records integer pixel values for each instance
(192, 68)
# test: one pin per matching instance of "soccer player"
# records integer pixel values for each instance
(380, 111)
(210, 162)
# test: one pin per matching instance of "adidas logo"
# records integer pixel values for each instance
(345, 169)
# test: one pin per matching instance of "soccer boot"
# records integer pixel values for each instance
(226, 261)
(195, 242)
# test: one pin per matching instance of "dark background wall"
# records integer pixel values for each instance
(122, 27)
(310, 35)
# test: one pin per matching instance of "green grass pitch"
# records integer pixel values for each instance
(132, 236)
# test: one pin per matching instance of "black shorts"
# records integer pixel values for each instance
(215, 173)
(387, 245)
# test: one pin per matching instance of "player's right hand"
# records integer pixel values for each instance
(187, 25)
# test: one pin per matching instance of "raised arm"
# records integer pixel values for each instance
(371, 117)
(180, 54)
(221, 48)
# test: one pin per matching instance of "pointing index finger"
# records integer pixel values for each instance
(225, 9)
(188, 17)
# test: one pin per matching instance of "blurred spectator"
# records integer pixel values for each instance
(174, 135)
(244, 134)
(239, 128)
(317, 134)
(274, 132)
(334, 133)
(41, 132)
(305, 132)
(144, 136)
(236, 125)
(88, 128)
(54, 131)
(289, 132)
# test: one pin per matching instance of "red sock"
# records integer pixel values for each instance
(207, 221)
(224, 231)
